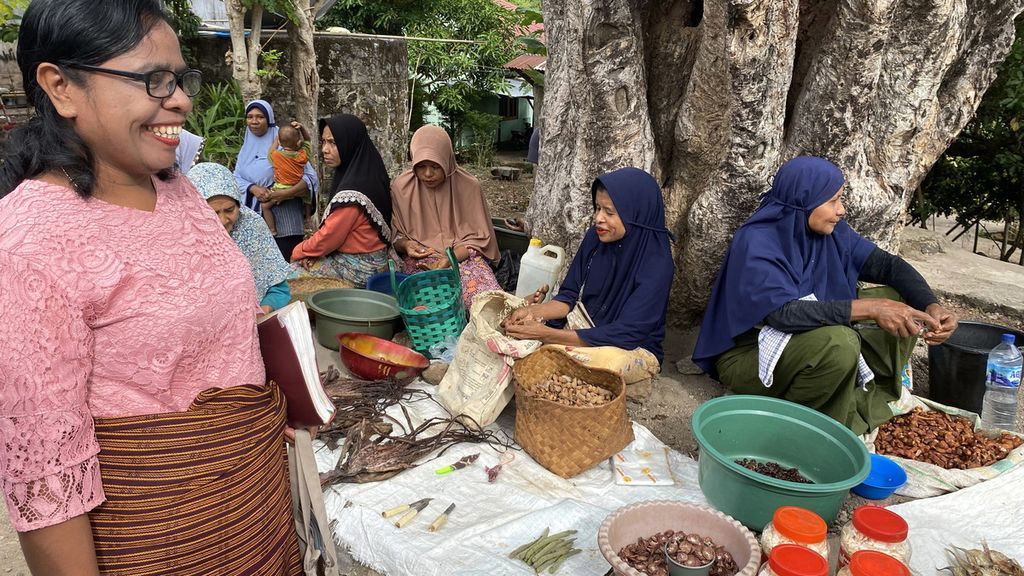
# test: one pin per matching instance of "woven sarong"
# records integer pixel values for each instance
(203, 491)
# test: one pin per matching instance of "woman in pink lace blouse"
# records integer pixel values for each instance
(138, 433)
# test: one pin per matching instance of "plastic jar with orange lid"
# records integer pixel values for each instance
(874, 528)
(794, 560)
(795, 525)
(873, 563)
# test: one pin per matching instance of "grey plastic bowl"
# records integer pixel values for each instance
(340, 310)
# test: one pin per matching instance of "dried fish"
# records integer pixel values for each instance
(984, 562)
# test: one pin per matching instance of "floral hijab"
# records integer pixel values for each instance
(250, 232)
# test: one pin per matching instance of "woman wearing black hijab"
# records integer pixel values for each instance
(354, 235)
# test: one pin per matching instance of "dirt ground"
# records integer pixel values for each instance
(664, 406)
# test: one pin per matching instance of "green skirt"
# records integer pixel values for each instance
(818, 369)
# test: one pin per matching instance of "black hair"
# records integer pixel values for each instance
(66, 32)
(287, 132)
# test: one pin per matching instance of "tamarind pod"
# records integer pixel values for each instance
(558, 565)
(522, 548)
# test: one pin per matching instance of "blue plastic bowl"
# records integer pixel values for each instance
(381, 281)
(883, 479)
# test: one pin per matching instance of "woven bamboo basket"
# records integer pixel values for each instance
(565, 439)
(304, 287)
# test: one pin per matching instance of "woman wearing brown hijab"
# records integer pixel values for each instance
(437, 205)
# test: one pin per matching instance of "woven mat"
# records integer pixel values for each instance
(303, 288)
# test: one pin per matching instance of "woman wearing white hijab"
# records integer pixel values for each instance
(255, 177)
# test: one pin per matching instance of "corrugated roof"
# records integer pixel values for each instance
(527, 62)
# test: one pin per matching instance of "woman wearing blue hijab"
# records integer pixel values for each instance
(621, 276)
(784, 319)
(255, 177)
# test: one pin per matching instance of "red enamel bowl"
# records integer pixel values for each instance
(373, 358)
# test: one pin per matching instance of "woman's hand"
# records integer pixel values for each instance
(266, 308)
(518, 316)
(438, 264)
(412, 248)
(416, 250)
(262, 193)
(302, 129)
(900, 319)
(538, 296)
(528, 328)
(289, 433)
(947, 320)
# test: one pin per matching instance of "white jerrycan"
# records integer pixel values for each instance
(539, 266)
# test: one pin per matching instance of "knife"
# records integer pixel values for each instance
(404, 508)
(436, 524)
(414, 509)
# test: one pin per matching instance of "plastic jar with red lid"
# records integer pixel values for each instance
(794, 560)
(875, 528)
(795, 525)
(873, 563)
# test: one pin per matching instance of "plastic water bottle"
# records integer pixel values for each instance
(539, 266)
(999, 406)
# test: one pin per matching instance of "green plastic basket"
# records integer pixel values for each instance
(431, 304)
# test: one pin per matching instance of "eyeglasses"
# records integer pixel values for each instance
(159, 83)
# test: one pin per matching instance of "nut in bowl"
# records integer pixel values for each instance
(684, 558)
(373, 358)
(634, 539)
(883, 479)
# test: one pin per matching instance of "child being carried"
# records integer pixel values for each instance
(288, 155)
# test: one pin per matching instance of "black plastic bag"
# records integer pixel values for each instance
(507, 270)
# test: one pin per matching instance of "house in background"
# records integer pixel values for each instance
(517, 105)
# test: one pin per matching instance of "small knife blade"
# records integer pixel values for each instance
(436, 524)
(403, 508)
(414, 509)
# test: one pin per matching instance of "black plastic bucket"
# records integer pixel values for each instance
(956, 368)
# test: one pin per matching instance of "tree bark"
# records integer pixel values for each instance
(304, 75)
(245, 51)
(713, 96)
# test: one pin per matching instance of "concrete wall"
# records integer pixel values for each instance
(361, 75)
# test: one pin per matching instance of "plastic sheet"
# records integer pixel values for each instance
(490, 519)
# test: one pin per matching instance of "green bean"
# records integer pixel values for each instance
(557, 565)
(547, 550)
(522, 548)
(539, 551)
(553, 552)
(535, 550)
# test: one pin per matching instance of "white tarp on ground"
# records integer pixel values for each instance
(990, 512)
(489, 520)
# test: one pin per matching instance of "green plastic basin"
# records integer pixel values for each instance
(340, 310)
(769, 429)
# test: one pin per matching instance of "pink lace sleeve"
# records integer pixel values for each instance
(48, 461)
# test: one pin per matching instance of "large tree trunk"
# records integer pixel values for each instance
(713, 96)
(304, 75)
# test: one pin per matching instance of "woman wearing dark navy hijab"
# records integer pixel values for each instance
(620, 277)
(785, 317)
